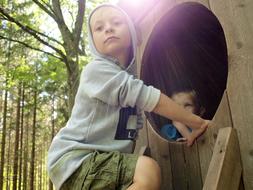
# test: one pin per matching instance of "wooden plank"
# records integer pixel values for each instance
(147, 24)
(142, 140)
(178, 166)
(240, 96)
(236, 19)
(241, 185)
(193, 168)
(144, 150)
(238, 26)
(185, 166)
(160, 151)
(222, 118)
(225, 169)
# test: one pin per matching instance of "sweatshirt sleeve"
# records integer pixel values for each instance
(114, 86)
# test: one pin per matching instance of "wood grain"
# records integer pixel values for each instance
(225, 169)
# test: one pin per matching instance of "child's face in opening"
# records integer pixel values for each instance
(110, 32)
(186, 100)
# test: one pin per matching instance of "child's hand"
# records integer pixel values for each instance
(197, 132)
(206, 124)
(181, 139)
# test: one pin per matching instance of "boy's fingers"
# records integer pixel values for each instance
(189, 143)
(181, 139)
(209, 123)
(206, 124)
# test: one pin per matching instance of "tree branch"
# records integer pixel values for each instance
(32, 32)
(81, 50)
(48, 6)
(40, 33)
(66, 33)
(79, 21)
(29, 46)
(57, 10)
(44, 8)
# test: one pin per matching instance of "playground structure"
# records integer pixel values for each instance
(223, 157)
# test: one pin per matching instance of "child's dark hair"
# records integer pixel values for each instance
(198, 105)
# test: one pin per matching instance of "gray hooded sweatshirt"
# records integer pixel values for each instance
(107, 112)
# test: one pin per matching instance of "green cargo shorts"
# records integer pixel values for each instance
(103, 171)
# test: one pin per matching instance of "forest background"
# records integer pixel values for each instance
(43, 48)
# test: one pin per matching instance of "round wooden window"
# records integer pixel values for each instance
(187, 50)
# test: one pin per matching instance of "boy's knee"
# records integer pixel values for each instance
(148, 173)
(149, 163)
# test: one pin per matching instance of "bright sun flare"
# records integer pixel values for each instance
(134, 3)
(113, 1)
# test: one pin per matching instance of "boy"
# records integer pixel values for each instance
(91, 151)
(178, 131)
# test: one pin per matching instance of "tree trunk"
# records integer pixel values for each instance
(52, 131)
(1, 102)
(44, 166)
(73, 81)
(40, 169)
(8, 162)
(10, 148)
(3, 137)
(25, 166)
(16, 150)
(32, 177)
(21, 138)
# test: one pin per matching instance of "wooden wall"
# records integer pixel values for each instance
(236, 107)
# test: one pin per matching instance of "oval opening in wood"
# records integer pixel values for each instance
(187, 51)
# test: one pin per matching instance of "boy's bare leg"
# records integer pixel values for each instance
(147, 175)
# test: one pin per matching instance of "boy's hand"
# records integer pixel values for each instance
(206, 124)
(197, 132)
(181, 139)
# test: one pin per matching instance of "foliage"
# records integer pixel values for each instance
(33, 66)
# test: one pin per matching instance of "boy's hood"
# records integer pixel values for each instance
(98, 56)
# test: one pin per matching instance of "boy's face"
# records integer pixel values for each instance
(110, 32)
(185, 99)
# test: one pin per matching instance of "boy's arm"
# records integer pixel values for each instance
(169, 109)
(110, 84)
